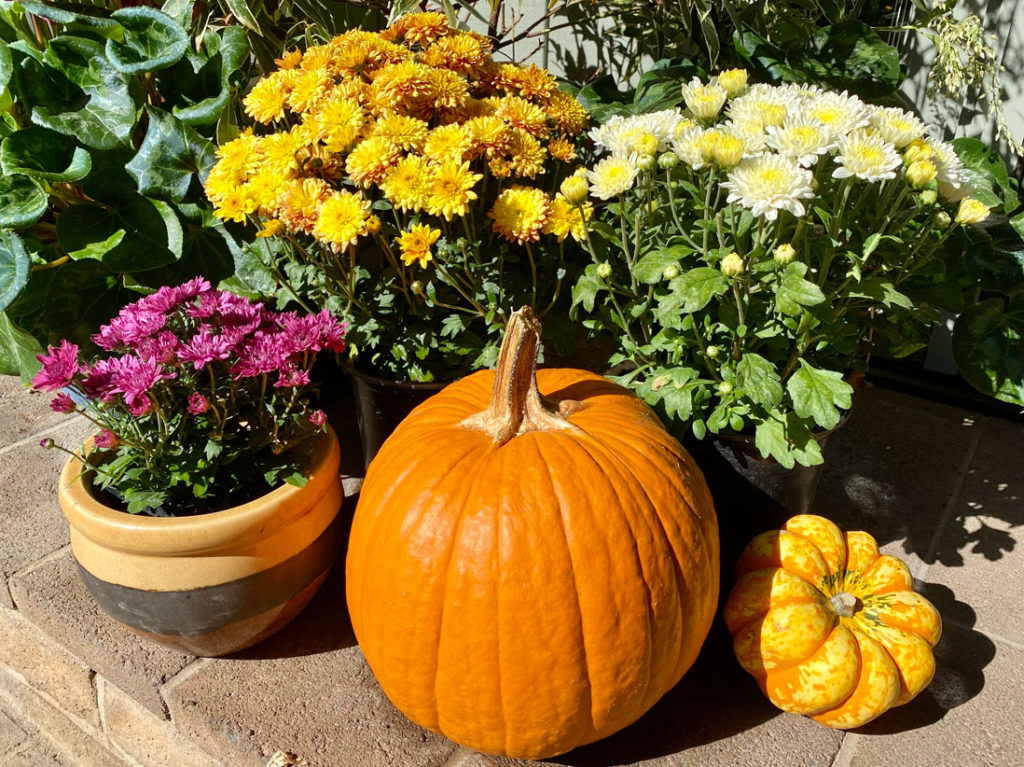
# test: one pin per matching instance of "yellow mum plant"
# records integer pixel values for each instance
(410, 183)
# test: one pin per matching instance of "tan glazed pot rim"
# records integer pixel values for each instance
(200, 534)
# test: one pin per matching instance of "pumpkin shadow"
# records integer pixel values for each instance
(323, 625)
(960, 657)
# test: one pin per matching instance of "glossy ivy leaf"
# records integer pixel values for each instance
(758, 380)
(152, 41)
(14, 268)
(200, 86)
(988, 345)
(986, 172)
(97, 250)
(819, 394)
(100, 110)
(22, 201)
(694, 289)
(68, 18)
(171, 154)
(44, 155)
(795, 292)
(153, 235)
(18, 350)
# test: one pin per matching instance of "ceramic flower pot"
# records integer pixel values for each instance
(215, 583)
(382, 404)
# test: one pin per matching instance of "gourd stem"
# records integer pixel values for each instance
(844, 603)
(516, 405)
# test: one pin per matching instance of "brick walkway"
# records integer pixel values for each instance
(942, 488)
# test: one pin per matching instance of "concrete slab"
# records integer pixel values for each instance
(52, 596)
(30, 515)
(11, 734)
(38, 753)
(893, 468)
(969, 715)
(308, 691)
(23, 412)
(983, 543)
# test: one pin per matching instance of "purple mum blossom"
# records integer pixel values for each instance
(292, 376)
(106, 439)
(163, 347)
(194, 287)
(262, 353)
(59, 367)
(318, 418)
(163, 301)
(197, 403)
(205, 347)
(97, 381)
(109, 337)
(62, 403)
(134, 323)
(134, 377)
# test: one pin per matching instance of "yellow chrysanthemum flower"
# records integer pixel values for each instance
(342, 218)
(416, 243)
(733, 81)
(396, 86)
(565, 219)
(264, 189)
(290, 60)
(337, 122)
(222, 180)
(420, 28)
(523, 115)
(971, 211)
(370, 160)
(318, 57)
(278, 151)
(920, 173)
(235, 205)
(308, 88)
(408, 184)
(402, 131)
(574, 188)
(500, 168)
(240, 154)
(520, 214)
(449, 90)
(491, 136)
(448, 142)
(299, 202)
(526, 154)
(567, 112)
(533, 82)
(267, 100)
(562, 149)
(460, 53)
(451, 189)
(271, 228)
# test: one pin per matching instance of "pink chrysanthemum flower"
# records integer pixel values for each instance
(62, 403)
(59, 367)
(106, 440)
(197, 403)
(204, 348)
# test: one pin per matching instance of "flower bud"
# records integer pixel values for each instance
(727, 150)
(671, 272)
(646, 145)
(668, 161)
(604, 271)
(703, 101)
(574, 188)
(920, 173)
(785, 253)
(733, 81)
(713, 351)
(942, 220)
(646, 162)
(928, 197)
(971, 211)
(372, 225)
(725, 388)
(917, 149)
(47, 443)
(416, 287)
(732, 265)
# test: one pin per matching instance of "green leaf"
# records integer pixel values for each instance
(651, 268)
(694, 289)
(986, 172)
(770, 440)
(199, 89)
(795, 292)
(297, 479)
(14, 268)
(18, 350)
(97, 250)
(241, 11)
(758, 380)
(99, 110)
(988, 345)
(171, 154)
(883, 291)
(22, 201)
(44, 155)
(152, 233)
(818, 393)
(152, 41)
(851, 55)
(68, 18)
(6, 65)
(587, 287)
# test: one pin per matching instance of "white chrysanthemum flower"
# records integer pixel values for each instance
(949, 171)
(612, 176)
(751, 133)
(800, 91)
(839, 112)
(705, 101)
(897, 126)
(689, 145)
(801, 137)
(867, 156)
(763, 104)
(620, 134)
(768, 183)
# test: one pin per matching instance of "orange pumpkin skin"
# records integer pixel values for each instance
(829, 627)
(530, 597)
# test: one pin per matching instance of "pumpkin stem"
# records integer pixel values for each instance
(516, 405)
(844, 603)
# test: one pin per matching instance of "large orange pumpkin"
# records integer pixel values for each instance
(829, 627)
(533, 561)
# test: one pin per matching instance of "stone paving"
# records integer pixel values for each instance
(940, 487)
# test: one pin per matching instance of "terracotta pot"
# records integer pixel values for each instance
(215, 583)
(382, 404)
